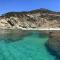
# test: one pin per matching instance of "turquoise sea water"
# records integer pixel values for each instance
(31, 47)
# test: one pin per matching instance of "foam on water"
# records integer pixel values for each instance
(31, 47)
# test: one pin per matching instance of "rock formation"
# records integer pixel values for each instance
(40, 18)
(53, 44)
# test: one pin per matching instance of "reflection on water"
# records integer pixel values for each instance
(27, 45)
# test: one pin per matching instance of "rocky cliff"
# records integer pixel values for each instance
(40, 18)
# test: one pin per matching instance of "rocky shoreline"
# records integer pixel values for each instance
(41, 20)
(35, 19)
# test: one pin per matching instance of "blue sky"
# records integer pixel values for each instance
(26, 5)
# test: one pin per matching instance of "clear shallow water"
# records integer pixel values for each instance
(31, 47)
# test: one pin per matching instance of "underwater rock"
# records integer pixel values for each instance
(12, 36)
(53, 44)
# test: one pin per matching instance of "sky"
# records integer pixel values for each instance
(27, 5)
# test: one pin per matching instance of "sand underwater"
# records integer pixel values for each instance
(29, 47)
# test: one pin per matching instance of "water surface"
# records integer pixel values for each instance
(30, 47)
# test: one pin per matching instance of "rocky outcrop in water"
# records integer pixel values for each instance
(40, 18)
(53, 44)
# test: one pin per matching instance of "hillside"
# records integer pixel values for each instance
(40, 18)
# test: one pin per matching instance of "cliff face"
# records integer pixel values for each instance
(40, 18)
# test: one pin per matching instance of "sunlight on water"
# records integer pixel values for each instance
(31, 47)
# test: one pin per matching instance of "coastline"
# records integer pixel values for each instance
(30, 29)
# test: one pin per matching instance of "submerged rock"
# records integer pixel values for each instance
(53, 44)
(13, 36)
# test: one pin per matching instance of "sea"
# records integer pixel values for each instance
(13, 46)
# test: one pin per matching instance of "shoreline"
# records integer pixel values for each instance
(30, 29)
